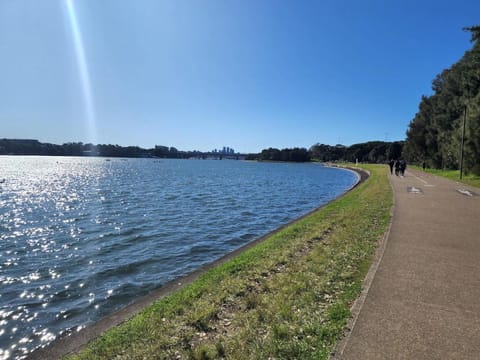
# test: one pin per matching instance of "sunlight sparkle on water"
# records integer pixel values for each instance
(76, 245)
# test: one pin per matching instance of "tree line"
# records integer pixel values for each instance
(372, 152)
(35, 147)
(450, 114)
(369, 152)
(273, 154)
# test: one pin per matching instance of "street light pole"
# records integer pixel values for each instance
(463, 141)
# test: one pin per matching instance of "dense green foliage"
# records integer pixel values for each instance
(369, 152)
(435, 133)
(272, 154)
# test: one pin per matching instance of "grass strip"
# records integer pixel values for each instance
(468, 179)
(288, 297)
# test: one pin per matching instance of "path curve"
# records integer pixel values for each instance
(424, 300)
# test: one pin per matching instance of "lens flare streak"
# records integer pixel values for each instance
(84, 73)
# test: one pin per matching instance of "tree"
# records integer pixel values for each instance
(394, 151)
(434, 134)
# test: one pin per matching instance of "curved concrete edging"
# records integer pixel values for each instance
(367, 283)
(75, 342)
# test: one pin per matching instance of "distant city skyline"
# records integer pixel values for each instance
(224, 150)
(249, 74)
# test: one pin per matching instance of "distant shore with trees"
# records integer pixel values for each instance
(369, 152)
(35, 147)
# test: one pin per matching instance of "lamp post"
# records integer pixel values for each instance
(463, 140)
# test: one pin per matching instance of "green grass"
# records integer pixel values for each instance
(288, 297)
(469, 179)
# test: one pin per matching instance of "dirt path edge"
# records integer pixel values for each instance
(367, 283)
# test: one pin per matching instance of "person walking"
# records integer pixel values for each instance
(397, 167)
(403, 166)
(390, 164)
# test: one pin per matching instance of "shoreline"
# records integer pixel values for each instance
(75, 342)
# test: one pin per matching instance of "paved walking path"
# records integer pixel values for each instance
(424, 301)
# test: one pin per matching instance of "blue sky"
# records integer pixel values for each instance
(199, 75)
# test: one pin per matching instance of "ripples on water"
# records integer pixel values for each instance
(82, 237)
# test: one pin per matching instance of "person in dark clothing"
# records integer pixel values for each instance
(391, 163)
(397, 167)
(403, 166)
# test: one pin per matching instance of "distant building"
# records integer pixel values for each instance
(224, 151)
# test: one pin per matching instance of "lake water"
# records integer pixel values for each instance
(83, 237)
